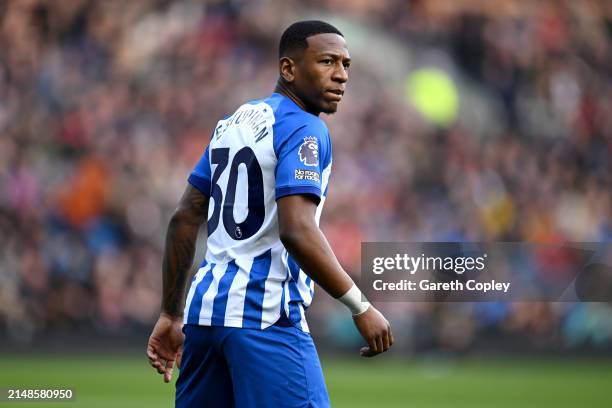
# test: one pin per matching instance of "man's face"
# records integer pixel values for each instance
(321, 72)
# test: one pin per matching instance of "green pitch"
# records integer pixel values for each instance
(128, 381)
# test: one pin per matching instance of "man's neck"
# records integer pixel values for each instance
(283, 89)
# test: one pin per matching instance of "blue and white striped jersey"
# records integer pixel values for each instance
(267, 149)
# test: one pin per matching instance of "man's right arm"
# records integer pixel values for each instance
(306, 243)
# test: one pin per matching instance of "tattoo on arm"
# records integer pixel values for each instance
(180, 248)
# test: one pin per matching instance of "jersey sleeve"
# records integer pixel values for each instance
(301, 160)
(200, 177)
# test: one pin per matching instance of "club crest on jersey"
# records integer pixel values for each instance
(309, 151)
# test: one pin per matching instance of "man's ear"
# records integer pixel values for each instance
(287, 69)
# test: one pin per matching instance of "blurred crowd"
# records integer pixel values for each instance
(105, 106)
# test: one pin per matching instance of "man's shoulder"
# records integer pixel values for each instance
(296, 120)
(287, 112)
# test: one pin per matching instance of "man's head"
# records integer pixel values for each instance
(313, 64)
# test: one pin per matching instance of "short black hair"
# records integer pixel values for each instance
(294, 37)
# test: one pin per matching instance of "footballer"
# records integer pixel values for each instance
(240, 334)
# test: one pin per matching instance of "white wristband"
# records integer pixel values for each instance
(355, 301)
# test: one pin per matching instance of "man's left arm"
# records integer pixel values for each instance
(165, 343)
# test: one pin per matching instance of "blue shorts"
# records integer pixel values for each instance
(234, 367)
